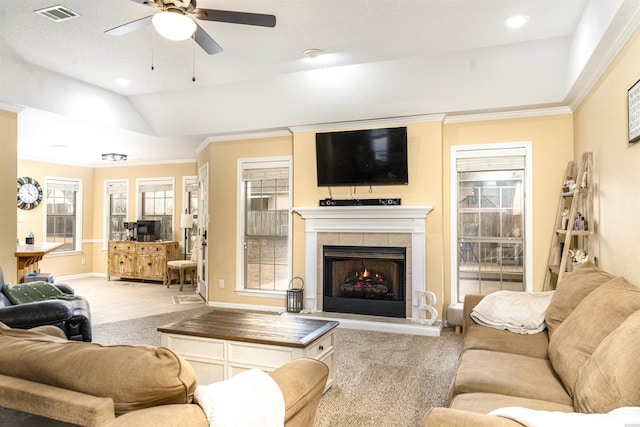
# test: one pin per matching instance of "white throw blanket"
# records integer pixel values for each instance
(621, 417)
(250, 399)
(519, 312)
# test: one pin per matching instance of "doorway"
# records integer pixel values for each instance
(203, 227)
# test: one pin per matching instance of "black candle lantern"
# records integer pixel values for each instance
(294, 296)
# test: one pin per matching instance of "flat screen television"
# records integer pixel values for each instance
(362, 157)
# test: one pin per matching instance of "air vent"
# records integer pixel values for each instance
(57, 13)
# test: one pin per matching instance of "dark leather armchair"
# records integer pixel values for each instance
(72, 316)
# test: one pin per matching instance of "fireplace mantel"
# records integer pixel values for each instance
(378, 218)
(365, 219)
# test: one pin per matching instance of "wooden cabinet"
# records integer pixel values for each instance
(141, 260)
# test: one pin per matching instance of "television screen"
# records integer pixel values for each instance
(362, 157)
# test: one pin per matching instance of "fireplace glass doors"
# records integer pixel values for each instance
(364, 280)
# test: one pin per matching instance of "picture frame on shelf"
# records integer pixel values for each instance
(633, 112)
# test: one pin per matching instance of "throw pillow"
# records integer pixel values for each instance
(571, 290)
(610, 378)
(599, 313)
(34, 291)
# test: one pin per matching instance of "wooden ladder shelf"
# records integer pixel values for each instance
(574, 225)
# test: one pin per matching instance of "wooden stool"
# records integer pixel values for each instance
(183, 267)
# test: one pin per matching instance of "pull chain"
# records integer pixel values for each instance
(193, 79)
(153, 47)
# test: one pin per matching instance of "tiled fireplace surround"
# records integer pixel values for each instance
(384, 226)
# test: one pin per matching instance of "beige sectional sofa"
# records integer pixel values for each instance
(91, 384)
(586, 361)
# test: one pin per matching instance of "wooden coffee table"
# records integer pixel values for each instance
(221, 343)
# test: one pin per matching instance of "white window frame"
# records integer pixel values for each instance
(159, 180)
(453, 208)
(106, 210)
(77, 240)
(260, 162)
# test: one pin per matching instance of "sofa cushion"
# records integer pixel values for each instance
(599, 313)
(483, 338)
(133, 376)
(486, 402)
(509, 374)
(571, 290)
(611, 377)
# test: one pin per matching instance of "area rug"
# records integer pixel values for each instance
(187, 299)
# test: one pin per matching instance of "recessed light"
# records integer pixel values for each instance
(122, 81)
(516, 21)
(114, 157)
(313, 53)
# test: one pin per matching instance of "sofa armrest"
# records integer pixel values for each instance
(470, 301)
(302, 382)
(177, 415)
(34, 314)
(65, 288)
(446, 417)
(54, 402)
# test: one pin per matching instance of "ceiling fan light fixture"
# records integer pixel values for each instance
(313, 53)
(173, 25)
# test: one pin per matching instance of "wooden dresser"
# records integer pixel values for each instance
(141, 260)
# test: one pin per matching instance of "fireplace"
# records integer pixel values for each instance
(365, 280)
(369, 226)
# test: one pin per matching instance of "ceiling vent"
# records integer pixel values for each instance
(57, 13)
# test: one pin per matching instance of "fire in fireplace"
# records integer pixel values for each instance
(364, 280)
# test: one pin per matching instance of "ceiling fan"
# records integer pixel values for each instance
(179, 13)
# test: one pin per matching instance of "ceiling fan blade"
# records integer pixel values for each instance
(130, 26)
(232, 17)
(205, 41)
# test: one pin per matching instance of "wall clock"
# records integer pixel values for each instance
(29, 193)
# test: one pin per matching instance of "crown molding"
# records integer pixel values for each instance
(276, 133)
(364, 124)
(247, 135)
(503, 115)
(10, 107)
(592, 74)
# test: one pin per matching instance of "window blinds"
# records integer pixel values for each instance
(488, 160)
(62, 184)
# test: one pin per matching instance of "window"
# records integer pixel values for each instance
(491, 219)
(156, 201)
(64, 213)
(116, 197)
(265, 189)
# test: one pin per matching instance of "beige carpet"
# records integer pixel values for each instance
(388, 379)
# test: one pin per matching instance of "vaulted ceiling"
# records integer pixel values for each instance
(383, 58)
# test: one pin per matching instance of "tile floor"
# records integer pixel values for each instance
(115, 300)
